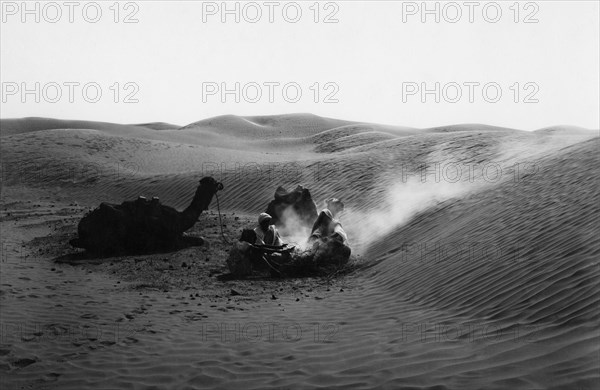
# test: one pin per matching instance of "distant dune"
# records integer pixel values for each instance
(567, 130)
(324, 154)
(467, 127)
(159, 126)
(456, 225)
(299, 125)
(28, 125)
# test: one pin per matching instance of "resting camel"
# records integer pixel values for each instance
(142, 225)
(299, 200)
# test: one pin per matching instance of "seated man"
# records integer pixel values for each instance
(327, 225)
(266, 234)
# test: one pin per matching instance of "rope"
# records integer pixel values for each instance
(227, 241)
(220, 220)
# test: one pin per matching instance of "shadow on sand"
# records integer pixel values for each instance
(86, 257)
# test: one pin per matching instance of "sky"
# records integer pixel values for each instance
(524, 65)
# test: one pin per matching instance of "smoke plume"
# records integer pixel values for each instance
(400, 203)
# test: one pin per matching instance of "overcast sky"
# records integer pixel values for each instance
(371, 63)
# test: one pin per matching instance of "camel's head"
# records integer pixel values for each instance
(211, 184)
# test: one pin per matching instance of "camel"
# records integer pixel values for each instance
(300, 202)
(142, 225)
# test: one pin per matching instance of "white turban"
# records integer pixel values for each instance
(263, 217)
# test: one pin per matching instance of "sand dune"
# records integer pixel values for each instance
(532, 233)
(26, 125)
(298, 125)
(477, 248)
(566, 130)
(468, 127)
(159, 126)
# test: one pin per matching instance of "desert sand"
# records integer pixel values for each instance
(475, 258)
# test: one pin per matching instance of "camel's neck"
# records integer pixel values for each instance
(201, 201)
